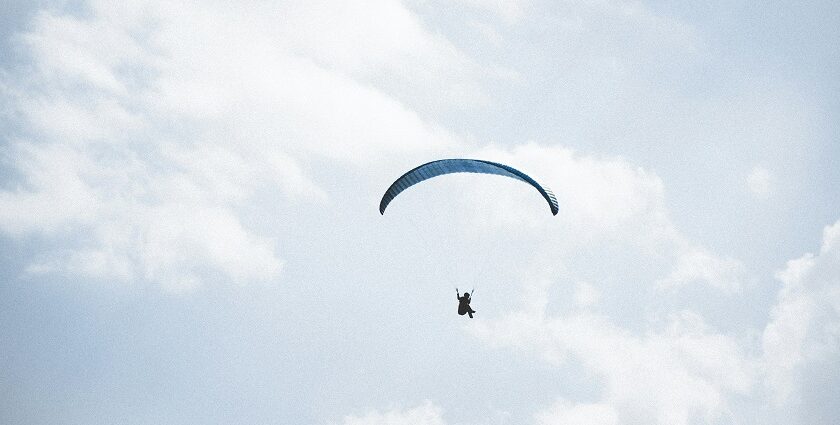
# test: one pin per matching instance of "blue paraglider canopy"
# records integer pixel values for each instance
(449, 166)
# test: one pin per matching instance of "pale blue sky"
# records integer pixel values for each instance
(189, 230)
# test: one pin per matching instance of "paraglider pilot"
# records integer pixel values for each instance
(464, 303)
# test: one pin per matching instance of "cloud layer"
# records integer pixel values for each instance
(144, 154)
(688, 371)
(205, 145)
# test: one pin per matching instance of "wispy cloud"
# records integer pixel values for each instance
(141, 154)
(805, 323)
(760, 182)
(424, 414)
(707, 372)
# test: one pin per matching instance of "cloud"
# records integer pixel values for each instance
(668, 365)
(148, 129)
(606, 199)
(760, 182)
(673, 367)
(510, 11)
(805, 323)
(565, 412)
(424, 414)
(384, 44)
(597, 196)
(698, 265)
(55, 194)
(586, 295)
(656, 361)
(671, 376)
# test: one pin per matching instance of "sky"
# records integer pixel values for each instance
(190, 234)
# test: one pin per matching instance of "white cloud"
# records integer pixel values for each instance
(805, 324)
(676, 369)
(424, 414)
(760, 182)
(55, 195)
(586, 295)
(150, 126)
(597, 196)
(683, 373)
(510, 11)
(382, 43)
(565, 412)
(670, 368)
(697, 265)
(607, 199)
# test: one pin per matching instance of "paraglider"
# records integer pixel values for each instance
(449, 166)
(464, 303)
